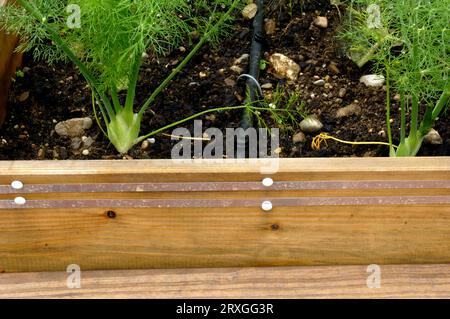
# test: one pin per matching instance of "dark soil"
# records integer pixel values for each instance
(58, 93)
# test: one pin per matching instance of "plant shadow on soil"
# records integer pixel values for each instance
(58, 93)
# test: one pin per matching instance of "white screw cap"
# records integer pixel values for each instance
(267, 205)
(20, 201)
(267, 182)
(17, 185)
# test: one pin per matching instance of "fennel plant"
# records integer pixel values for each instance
(110, 43)
(412, 47)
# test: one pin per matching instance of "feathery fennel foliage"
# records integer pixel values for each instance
(412, 47)
(109, 45)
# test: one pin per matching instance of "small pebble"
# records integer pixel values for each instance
(24, 96)
(333, 68)
(145, 145)
(321, 22)
(349, 110)
(270, 26)
(372, 80)
(311, 124)
(319, 82)
(41, 154)
(433, 138)
(85, 152)
(299, 138)
(342, 92)
(230, 82)
(237, 69)
(249, 11)
(242, 59)
(267, 86)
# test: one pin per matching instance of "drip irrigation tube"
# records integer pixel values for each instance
(252, 91)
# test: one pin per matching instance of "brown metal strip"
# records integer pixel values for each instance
(215, 203)
(221, 186)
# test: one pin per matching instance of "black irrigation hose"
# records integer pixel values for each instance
(252, 90)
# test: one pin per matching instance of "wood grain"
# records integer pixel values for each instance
(397, 281)
(49, 239)
(40, 240)
(140, 171)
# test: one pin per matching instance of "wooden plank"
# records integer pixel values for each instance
(397, 281)
(232, 235)
(51, 239)
(139, 171)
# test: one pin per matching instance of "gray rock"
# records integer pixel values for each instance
(433, 138)
(87, 141)
(311, 125)
(73, 127)
(299, 138)
(75, 143)
(319, 82)
(372, 80)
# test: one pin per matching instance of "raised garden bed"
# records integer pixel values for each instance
(156, 213)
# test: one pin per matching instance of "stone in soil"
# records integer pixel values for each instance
(433, 138)
(321, 22)
(249, 11)
(284, 67)
(311, 125)
(73, 127)
(270, 26)
(299, 138)
(372, 80)
(352, 109)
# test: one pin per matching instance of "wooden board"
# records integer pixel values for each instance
(232, 235)
(9, 61)
(400, 281)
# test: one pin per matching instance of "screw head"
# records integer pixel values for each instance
(267, 182)
(17, 185)
(20, 201)
(267, 206)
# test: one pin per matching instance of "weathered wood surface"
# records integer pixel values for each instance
(49, 239)
(400, 281)
(9, 61)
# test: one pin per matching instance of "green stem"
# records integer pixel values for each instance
(443, 101)
(227, 108)
(403, 117)
(414, 115)
(55, 37)
(115, 98)
(219, 109)
(388, 108)
(194, 51)
(131, 93)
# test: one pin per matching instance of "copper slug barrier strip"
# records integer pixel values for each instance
(212, 203)
(221, 186)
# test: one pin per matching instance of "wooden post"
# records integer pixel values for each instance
(9, 61)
